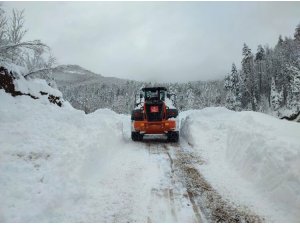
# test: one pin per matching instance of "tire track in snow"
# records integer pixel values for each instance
(171, 194)
(178, 206)
(212, 207)
(195, 207)
(162, 196)
(197, 211)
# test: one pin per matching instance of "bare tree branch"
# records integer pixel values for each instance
(44, 70)
(29, 44)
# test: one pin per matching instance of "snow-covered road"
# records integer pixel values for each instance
(137, 185)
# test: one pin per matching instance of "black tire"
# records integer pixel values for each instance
(136, 136)
(173, 136)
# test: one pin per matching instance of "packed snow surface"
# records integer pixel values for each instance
(250, 157)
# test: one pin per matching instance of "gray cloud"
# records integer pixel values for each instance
(157, 41)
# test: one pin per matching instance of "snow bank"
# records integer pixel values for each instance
(250, 157)
(45, 152)
(59, 165)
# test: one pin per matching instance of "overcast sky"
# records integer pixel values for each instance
(157, 41)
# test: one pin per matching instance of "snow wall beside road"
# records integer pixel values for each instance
(250, 157)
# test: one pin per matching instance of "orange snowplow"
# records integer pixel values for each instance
(154, 113)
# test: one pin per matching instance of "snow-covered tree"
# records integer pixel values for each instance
(227, 82)
(3, 31)
(260, 55)
(276, 96)
(13, 50)
(260, 67)
(297, 32)
(250, 84)
(259, 74)
(16, 30)
(295, 81)
(294, 93)
(232, 86)
(280, 41)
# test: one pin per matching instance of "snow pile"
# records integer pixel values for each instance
(59, 165)
(35, 87)
(250, 157)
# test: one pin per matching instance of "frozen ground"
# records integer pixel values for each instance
(60, 165)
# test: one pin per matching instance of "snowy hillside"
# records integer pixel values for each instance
(74, 75)
(88, 91)
(249, 157)
(70, 75)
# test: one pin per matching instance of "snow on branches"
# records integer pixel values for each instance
(17, 52)
(269, 80)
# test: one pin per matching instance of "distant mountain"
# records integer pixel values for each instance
(89, 91)
(74, 75)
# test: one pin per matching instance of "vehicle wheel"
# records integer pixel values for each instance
(173, 136)
(136, 136)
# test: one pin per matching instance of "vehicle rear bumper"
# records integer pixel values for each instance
(154, 127)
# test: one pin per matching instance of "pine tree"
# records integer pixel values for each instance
(297, 32)
(280, 41)
(260, 55)
(227, 82)
(234, 78)
(232, 86)
(294, 93)
(260, 65)
(250, 83)
(276, 97)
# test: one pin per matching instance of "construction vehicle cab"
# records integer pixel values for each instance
(154, 113)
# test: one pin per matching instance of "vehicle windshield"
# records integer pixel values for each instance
(151, 94)
(155, 94)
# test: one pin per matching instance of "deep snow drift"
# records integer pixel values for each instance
(251, 158)
(60, 165)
